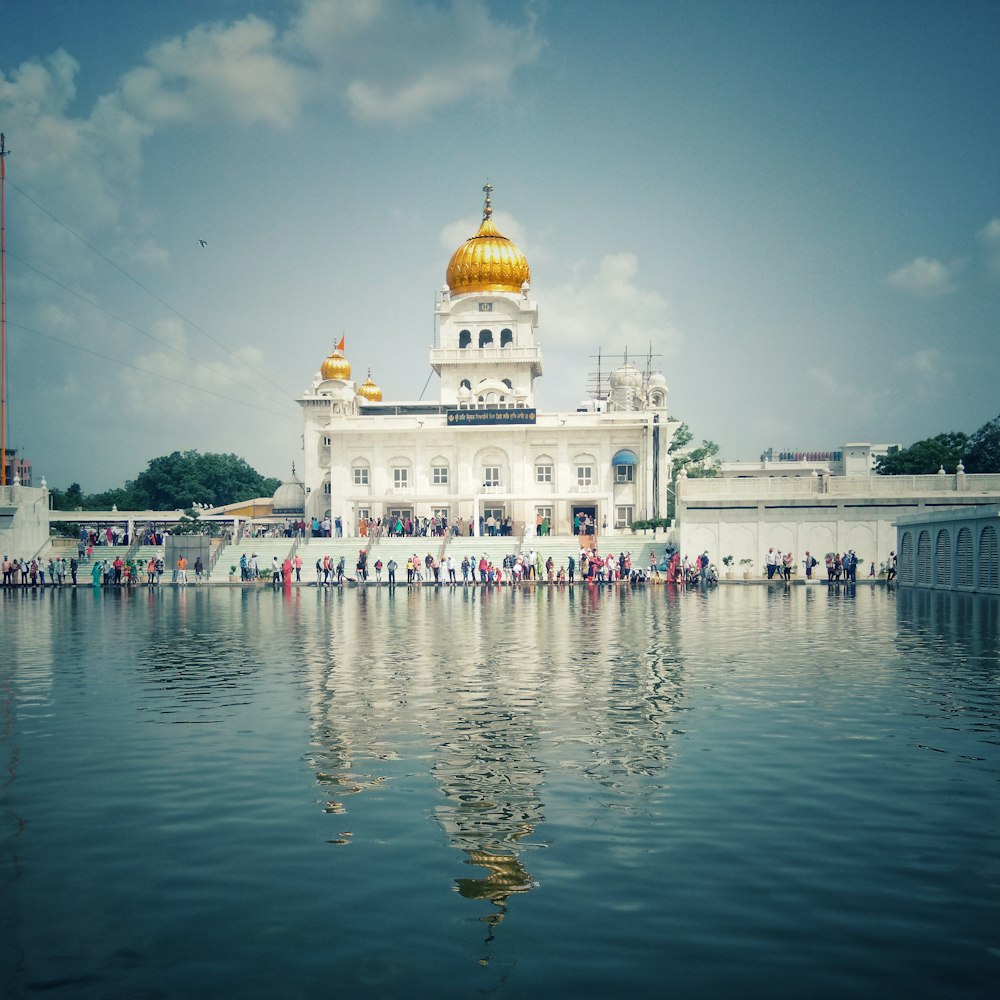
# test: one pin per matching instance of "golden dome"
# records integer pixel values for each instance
(488, 261)
(370, 390)
(336, 366)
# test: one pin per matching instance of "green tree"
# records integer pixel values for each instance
(69, 499)
(120, 498)
(699, 463)
(924, 458)
(182, 479)
(191, 523)
(983, 454)
(177, 481)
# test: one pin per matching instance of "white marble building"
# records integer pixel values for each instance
(743, 517)
(483, 449)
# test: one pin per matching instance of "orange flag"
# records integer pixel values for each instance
(340, 346)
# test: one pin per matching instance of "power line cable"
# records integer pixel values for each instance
(148, 291)
(146, 371)
(139, 330)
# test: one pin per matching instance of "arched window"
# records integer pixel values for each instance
(906, 558)
(989, 569)
(942, 559)
(465, 384)
(464, 338)
(506, 337)
(485, 338)
(963, 558)
(507, 382)
(923, 558)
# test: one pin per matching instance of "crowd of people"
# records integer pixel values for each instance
(840, 567)
(58, 571)
(682, 571)
(52, 572)
(514, 568)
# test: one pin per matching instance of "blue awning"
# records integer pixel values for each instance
(624, 457)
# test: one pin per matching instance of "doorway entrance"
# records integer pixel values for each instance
(584, 519)
(498, 514)
(395, 514)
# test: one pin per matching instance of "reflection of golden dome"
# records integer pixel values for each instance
(336, 366)
(370, 390)
(488, 261)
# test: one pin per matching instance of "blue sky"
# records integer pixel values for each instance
(795, 206)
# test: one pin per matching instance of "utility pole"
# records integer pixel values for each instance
(3, 310)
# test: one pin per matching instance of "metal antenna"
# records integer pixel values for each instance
(4, 151)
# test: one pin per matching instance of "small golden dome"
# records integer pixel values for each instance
(336, 366)
(370, 390)
(488, 261)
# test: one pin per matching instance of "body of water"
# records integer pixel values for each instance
(751, 792)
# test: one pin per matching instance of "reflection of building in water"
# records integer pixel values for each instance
(491, 687)
(489, 774)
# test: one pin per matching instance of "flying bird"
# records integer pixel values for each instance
(203, 243)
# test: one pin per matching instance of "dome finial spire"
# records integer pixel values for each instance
(488, 207)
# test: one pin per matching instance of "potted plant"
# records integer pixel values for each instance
(746, 564)
(728, 561)
(232, 574)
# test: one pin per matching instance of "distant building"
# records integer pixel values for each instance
(745, 516)
(16, 467)
(859, 459)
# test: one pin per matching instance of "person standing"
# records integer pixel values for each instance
(890, 568)
(182, 571)
(772, 563)
(74, 565)
(199, 568)
(298, 568)
(390, 568)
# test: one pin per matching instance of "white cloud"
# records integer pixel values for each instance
(923, 375)
(216, 72)
(389, 61)
(925, 277)
(175, 378)
(609, 308)
(989, 236)
(396, 62)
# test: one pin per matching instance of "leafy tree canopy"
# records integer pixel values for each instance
(984, 448)
(699, 463)
(177, 481)
(924, 458)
